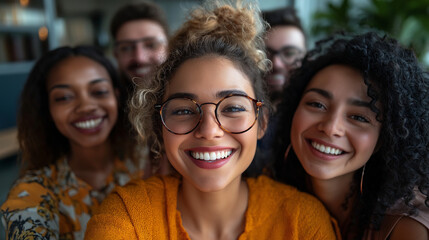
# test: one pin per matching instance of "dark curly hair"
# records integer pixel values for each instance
(139, 11)
(41, 143)
(396, 81)
(285, 16)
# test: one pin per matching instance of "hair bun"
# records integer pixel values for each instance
(239, 24)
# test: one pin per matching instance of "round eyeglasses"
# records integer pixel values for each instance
(234, 114)
(289, 55)
(129, 47)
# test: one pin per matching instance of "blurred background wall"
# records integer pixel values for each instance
(28, 28)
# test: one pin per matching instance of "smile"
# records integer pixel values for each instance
(326, 149)
(211, 156)
(89, 124)
(143, 70)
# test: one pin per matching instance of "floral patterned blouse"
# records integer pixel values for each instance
(52, 203)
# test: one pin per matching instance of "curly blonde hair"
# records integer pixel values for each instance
(218, 28)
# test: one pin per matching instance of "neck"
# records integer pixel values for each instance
(213, 215)
(333, 194)
(92, 165)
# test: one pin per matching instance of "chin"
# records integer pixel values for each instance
(209, 185)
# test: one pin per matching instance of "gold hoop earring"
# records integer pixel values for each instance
(287, 150)
(361, 179)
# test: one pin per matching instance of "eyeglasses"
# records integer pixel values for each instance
(288, 54)
(128, 47)
(234, 113)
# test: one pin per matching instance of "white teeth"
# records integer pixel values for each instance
(89, 123)
(143, 70)
(211, 156)
(326, 149)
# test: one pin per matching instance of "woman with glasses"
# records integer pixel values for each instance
(354, 133)
(205, 111)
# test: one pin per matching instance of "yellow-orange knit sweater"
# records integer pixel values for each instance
(146, 209)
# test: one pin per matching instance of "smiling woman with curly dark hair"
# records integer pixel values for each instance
(354, 132)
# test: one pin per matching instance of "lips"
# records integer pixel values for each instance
(277, 79)
(89, 125)
(210, 158)
(326, 149)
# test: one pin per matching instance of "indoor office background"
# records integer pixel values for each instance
(28, 28)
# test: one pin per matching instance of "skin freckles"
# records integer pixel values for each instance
(82, 103)
(334, 112)
(207, 79)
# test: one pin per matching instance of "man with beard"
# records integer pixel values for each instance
(286, 46)
(140, 34)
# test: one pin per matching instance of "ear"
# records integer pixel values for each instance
(263, 124)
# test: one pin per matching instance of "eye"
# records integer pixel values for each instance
(100, 93)
(126, 48)
(359, 118)
(182, 112)
(233, 108)
(317, 105)
(63, 98)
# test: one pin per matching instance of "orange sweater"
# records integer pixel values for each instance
(146, 209)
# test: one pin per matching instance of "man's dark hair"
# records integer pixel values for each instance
(282, 17)
(140, 11)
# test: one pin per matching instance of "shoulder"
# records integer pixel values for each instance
(408, 228)
(398, 224)
(31, 189)
(31, 208)
(284, 208)
(150, 192)
(134, 209)
(266, 187)
(153, 186)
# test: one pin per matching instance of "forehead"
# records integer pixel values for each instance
(138, 29)
(281, 36)
(341, 80)
(208, 75)
(76, 70)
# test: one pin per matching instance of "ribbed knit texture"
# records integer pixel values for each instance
(146, 209)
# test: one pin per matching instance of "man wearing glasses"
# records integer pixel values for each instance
(140, 34)
(286, 46)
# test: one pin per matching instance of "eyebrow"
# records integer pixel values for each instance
(220, 94)
(95, 81)
(328, 95)
(145, 39)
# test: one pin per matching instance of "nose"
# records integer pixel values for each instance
(141, 54)
(333, 125)
(277, 62)
(85, 104)
(209, 127)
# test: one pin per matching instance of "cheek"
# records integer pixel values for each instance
(171, 143)
(112, 105)
(248, 142)
(299, 123)
(365, 143)
(59, 117)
